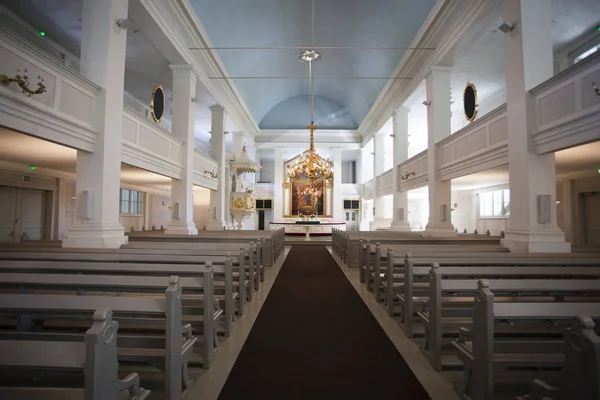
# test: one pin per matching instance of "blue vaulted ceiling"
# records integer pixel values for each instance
(340, 103)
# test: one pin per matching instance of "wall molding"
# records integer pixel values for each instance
(445, 25)
(179, 22)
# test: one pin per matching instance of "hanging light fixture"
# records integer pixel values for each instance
(311, 164)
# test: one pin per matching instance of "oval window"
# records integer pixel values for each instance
(157, 104)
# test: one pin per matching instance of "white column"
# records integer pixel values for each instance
(236, 150)
(278, 200)
(103, 46)
(529, 62)
(182, 190)
(439, 126)
(251, 223)
(337, 200)
(400, 127)
(378, 169)
(217, 152)
(238, 143)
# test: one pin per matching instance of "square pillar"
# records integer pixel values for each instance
(337, 202)
(217, 152)
(378, 169)
(400, 127)
(439, 116)
(278, 198)
(182, 190)
(532, 177)
(98, 184)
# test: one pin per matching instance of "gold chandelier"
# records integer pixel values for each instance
(311, 165)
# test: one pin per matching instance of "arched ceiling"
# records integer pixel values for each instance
(268, 23)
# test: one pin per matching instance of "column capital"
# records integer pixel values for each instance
(185, 68)
(401, 111)
(438, 71)
(216, 108)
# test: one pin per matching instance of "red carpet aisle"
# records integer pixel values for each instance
(315, 339)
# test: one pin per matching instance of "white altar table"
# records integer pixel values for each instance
(323, 228)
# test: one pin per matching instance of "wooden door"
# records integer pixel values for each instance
(32, 214)
(8, 214)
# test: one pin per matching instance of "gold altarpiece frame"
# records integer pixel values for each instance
(291, 185)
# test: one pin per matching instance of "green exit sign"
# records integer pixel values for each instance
(26, 178)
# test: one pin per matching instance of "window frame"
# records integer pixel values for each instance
(492, 203)
(127, 203)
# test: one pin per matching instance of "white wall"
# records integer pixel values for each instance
(267, 172)
(201, 207)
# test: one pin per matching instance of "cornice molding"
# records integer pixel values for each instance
(181, 25)
(446, 23)
(44, 122)
(145, 159)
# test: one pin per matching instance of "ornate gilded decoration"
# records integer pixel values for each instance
(158, 103)
(311, 165)
(238, 203)
(23, 82)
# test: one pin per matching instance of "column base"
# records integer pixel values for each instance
(446, 230)
(96, 236)
(529, 241)
(215, 225)
(400, 226)
(181, 229)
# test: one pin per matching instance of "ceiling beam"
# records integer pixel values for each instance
(445, 25)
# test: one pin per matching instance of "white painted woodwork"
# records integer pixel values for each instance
(103, 47)
(64, 113)
(568, 109)
(184, 117)
(217, 152)
(529, 62)
(438, 88)
(480, 146)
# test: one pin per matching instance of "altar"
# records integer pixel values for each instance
(308, 227)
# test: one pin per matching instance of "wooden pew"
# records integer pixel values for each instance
(222, 266)
(352, 242)
(486, 358)
(254, 252)
(373, 261)
(172, 351)
(582, 366)
(198, 284)
(402, 280)
(95, 356)
(450, 303)
(274, 241)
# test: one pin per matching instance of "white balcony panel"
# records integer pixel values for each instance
(149, 146)
(64, 113)
(204, 166)
(385, 183)
(568, 108)
(480, 146)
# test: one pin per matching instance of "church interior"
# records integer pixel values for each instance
(300, 199)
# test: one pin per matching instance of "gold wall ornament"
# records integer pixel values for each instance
(23, 82)
(158, 103)
(470, 102)
(238, 203)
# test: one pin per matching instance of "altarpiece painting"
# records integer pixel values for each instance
(307, 197)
